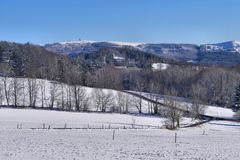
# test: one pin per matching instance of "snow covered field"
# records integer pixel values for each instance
(210, 141)
(29, 118)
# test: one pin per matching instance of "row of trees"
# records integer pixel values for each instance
(21, 92)
(36, 93)
(207, 85)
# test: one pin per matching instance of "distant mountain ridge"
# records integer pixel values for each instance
(219, 53)
(231, 46)
(84, 46)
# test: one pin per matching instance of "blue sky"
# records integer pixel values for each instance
(156, 21)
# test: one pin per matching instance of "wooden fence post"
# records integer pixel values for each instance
(175, 137)
(113, 134)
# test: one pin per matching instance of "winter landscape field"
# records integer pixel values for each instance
(120, 80)
(214, 140)
(42, 132)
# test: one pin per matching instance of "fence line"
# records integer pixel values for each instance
(90, 127)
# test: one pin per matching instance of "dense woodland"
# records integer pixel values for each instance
(215, 85)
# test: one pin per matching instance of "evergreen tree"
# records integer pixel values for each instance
(237, 98)
(1, 54)
(16, 64)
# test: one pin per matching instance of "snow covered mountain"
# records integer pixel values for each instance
(225, 53)
(182, 52)
(172, 51)
(230, 46)
(84, 46)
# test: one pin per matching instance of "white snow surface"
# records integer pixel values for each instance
(77, 42)
(233, 46)
(30, 118)
(118, 57)
(133, 44)
(215, 140)
(160, 66)
(184, 103)
(219, 112)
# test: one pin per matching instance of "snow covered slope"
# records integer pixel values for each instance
(46, 91)
(186, 105)
(230, 46)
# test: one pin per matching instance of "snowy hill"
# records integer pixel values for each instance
(38, 93)
(186, 104)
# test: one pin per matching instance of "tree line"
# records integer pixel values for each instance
(214, 85)
(53, 95)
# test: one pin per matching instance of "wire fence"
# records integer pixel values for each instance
(87, 127)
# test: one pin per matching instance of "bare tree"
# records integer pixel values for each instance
(120, 101)
(123, 102)
(112, 80)
(86, 104)
(137, 102)
(173, 115)
(16, 91)
(32, 92)
(54, 94)
(79, 94)
(63, 95)
(97, 94)
(102, 100)
(197, 110)
(154, 107)
(1, 93)
(42, 85)
(24, 93)
(69, 98)
(140, 85)
(128, 103)
(7, 89)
